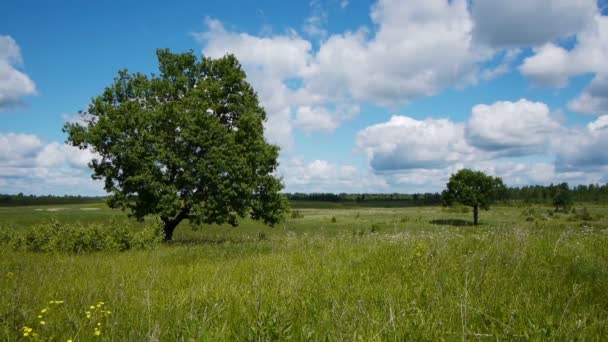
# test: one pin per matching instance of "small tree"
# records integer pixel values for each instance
(474, 189)
(186, 144)
(562, 198)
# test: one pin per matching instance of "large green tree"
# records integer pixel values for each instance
(473, 188)
(185, 144)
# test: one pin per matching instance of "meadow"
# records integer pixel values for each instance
(355, 273)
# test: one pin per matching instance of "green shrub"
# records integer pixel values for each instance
(581, 214)
(262, 236)
(77, 239)
(295, 214)
(375, 228)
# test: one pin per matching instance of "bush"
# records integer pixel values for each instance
(581, 214)
(77, 239)
(295, 214)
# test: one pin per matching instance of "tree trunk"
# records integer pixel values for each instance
(475, 214)
(171, 223)
(169, 228)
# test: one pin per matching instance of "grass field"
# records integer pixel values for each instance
(332, 274)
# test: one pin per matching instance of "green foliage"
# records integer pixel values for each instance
(186, 144)
(295, 214)
(474, 189)
(581, 214)
(562, 199)
(457, 209)
(77, 239)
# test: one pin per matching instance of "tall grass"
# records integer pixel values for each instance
(406, 279)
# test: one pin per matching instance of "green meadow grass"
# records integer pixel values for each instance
(332, 274)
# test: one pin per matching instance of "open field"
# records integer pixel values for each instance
(373, 274)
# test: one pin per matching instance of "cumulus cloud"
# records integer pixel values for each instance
(31, 166)
(14, 84)
(270, 62)
(419, 155)
(594, 98)
(552, 64)
(312, 119)
(508, 24)
(512, 128)
(407, 143)
(585, 149)
(18, 149)
(325, 176)
(403, 59)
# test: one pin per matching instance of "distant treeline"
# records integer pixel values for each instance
(592, 193)
(535, 194)
(21, 199)
(394, 198)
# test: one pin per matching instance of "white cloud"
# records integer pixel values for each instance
(405, 143)
(508, 24)
(312, 119)
(512, 128)
(419, 155)
(30, 166)
(316, 20)
(585, 149)
(17, 150)
(14, 84)
(594, 99)
(404, 59)
(508, 58)
(553, 64)
(270, 62)
(282, 55)
(324, 176)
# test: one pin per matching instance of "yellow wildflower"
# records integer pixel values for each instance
(39, 316)
(42, 323)
(70, 340)
(44, 310)
(92, 307)
(97, 332)
(26, 331)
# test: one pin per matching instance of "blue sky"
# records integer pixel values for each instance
(362, 96)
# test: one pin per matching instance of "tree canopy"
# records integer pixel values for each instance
(473, 188)
(562, 198)
(185, 144)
